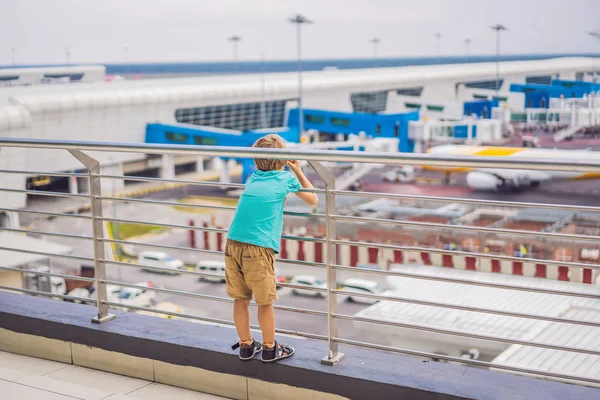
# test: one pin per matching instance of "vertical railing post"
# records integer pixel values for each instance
(93, 167)
(333, 355)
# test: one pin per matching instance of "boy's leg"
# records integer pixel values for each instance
(266, 320)
(241, 317)
(239, 291)
(259, 273)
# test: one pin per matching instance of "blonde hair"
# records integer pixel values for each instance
(272, 141)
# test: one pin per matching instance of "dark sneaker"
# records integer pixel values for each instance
(278, 352)
(248, 351)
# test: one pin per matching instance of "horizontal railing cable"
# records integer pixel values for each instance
(46, 254)
(217, 298)
(46, 294)
(469, 228)
(45, 193)
(344, 156)
(188, 182)
(202, 228)
(57, 174)
(51, 214)
(211, 320)
(43, 273)
(466, 282)
(166, 203)
(466, 254)
(193, 205)
(470, 309)
(477, 363)
(487, 203)
(166, 180)
(425, 328)
(46, 233)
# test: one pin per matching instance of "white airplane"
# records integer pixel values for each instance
(512, 179)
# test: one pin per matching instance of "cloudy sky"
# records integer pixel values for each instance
(196, 30)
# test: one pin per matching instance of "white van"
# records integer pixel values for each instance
(363, 286)
(310, 281)
(212, 267)
(160, 260)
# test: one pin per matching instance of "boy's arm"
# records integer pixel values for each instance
(309, 198)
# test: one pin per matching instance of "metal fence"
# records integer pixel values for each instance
(330, 242)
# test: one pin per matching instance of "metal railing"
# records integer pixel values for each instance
(330, 242)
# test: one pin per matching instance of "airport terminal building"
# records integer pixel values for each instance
(120, 111)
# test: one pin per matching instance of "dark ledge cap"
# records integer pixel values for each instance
(363, 374)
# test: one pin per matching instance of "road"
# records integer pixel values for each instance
(189, 283)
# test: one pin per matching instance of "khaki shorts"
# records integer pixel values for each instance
(250, 269)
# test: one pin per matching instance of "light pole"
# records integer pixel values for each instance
(438, 44)
(375, 42)
(467, 48)
(498, 28)
(235, 40)
(263, 109)
(14, 60)
(68, 56)
(299, 20)
(595, 34)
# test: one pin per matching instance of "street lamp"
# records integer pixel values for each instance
(438, 42)
(467, 48)
(235, 40)
(375, 42)
(498, 28)
(68, 56)
(595, 34)
(299, 20)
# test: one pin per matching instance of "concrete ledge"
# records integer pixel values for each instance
(198, 356)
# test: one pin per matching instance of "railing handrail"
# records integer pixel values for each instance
(541, 164)
(329, 244)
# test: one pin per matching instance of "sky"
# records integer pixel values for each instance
(197, 30)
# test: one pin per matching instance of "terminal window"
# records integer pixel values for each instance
(369, 102)
(489, 85)
(415, 91)
(205, 141)
(177, 137)
(241, 117)
(539, 80)
(72, 77)
(340, 121)
(315, 119)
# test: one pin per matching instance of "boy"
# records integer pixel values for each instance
(252, 243)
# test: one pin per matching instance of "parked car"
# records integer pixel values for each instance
(159, 259)
(137, 297)
(61, 286)
(363, 286)
(112, 293)
(310, 281)
(212, 267)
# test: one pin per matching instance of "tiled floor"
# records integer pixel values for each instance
(28, 378)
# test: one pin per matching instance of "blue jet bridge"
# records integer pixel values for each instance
(538, 96)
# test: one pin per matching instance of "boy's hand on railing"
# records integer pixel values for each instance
(295, 166)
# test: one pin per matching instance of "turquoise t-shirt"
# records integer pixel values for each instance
(258, 219)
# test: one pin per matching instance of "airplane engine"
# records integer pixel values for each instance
(484, 181)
